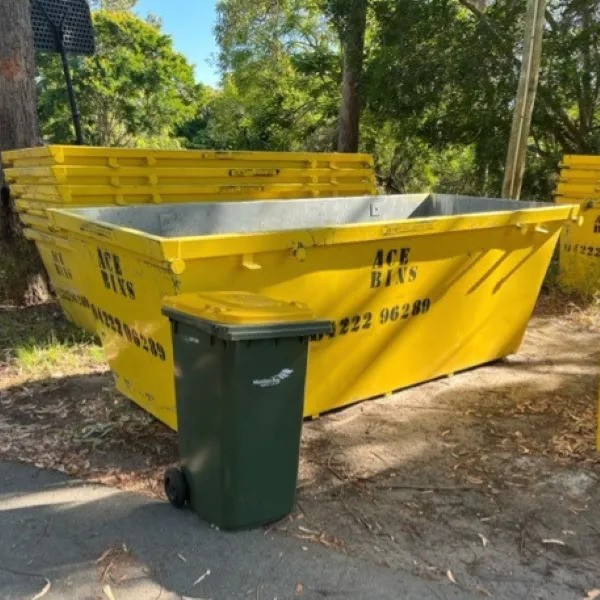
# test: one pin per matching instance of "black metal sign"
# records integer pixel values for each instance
(70, 19)
(64, 26)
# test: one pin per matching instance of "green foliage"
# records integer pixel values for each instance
(113, 5)
(280, 76)
(438, 85)
(137, 87)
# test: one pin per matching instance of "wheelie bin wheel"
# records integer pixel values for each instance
(176, 487)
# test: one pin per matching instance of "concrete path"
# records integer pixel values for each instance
(64, 539)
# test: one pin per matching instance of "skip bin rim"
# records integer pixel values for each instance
(58, 151)
(191, 247)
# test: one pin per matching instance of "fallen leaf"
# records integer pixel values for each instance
(108, 592)
(306, 530)
(474, 480)
(483, 539)
(553, 541)
(104, 575)
(299, 589)
(44, 590)
(105, 554)
(202, 577)
(592, 594)
(450, 576)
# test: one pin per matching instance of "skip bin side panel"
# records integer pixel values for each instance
(121, 292)
(580, 244)
(406, 309)
(66, 276)
(580, 254)
(61, 267)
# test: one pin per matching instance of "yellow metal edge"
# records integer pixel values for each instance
(60, 150)
(56, 188)
(36, 152)
(569, 160)
(193, 247)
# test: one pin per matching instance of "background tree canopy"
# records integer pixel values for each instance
(135, 90)
(436, 86)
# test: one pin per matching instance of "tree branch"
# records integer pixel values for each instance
(478, 13)
(551, 20)
(552, 110)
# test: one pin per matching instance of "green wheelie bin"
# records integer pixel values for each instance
(240, 369)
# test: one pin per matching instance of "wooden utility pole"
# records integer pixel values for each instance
(18, 110)
(525, 100)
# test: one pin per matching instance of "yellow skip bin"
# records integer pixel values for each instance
(580, 242)
(202, 175)
(417, 286)
(101, 156)
(98, 195)
(56, 175)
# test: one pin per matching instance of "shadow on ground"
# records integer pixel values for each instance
(92, 541)
(488, 479)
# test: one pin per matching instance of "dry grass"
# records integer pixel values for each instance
(38, 343)
(59, 408)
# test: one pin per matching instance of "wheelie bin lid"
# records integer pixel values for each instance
(243, 315)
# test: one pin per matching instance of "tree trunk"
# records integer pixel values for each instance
(525, 100)
(20, 264)
(352, 37)
(18, 111)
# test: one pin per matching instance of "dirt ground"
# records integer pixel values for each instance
(488, 478)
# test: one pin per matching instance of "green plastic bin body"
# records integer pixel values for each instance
(240, 394)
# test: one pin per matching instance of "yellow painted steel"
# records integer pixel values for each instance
(581, 161)
(581, 176)
(57, 255)
(411, 300)
(580, 243)
(203, 175)
(580, 254)
(578, 190)
(132, 157)
(105, 195)
(52, 176)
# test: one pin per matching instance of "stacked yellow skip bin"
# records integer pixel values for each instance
(579, 183)
(54, 176)
(84, 176)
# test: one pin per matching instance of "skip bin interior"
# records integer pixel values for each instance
(180, 220)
